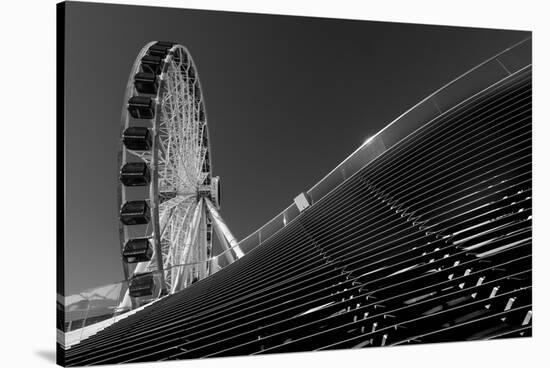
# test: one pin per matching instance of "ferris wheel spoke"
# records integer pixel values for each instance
(188, 240)
(177, 219)
(201, 247)
(166, 210)
(165, 152)
(177, 225)
(181, 235)
(163, 149)
(177, 248)
(177, 158)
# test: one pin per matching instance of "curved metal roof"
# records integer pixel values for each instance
(446, 98)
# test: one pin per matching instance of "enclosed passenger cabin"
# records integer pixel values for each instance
(137, 139)
(160, 49)
(142, 285)
(141, 107)
(151, 64)
(137, 250)
(146, 83)
(135, 213)
(135, 174)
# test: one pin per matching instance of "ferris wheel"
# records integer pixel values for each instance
(169, 201)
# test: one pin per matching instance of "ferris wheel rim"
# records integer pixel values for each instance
(121, 156)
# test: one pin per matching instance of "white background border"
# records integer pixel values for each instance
(27, 144)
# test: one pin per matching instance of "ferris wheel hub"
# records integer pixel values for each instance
(211, 191)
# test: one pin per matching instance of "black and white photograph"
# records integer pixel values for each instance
(422, 234)
(234, 183)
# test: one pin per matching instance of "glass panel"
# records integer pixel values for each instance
(272, 227)
(250, 242)
(368, 152)
(330, 182)
(290, 213)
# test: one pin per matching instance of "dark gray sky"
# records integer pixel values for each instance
(287, 99)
